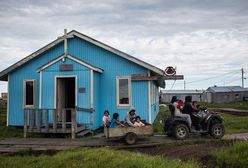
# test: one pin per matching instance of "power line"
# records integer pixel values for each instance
(236, 80)
(171, 86)
(211, 77)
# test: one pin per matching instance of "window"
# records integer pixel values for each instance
(123, 91)
(29, 93)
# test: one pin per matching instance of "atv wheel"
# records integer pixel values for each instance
(181, 131)
(131, 138)
(217, 131)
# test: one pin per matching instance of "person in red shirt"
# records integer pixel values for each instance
(180, 105)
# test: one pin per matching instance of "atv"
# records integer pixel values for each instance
(210, 123)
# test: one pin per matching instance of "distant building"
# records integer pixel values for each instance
(197, 95)
(4, 96)
(3, 99)
(216, 94)
(226, 94)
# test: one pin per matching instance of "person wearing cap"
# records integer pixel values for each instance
(130, 118)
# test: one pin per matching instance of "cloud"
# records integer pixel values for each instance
(202, 38)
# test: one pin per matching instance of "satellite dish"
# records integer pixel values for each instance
(170, 71)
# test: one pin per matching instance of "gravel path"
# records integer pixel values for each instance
(13, 145)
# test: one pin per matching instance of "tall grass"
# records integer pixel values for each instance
(158, 127)
(234, 156)
(98, 157)
(235, 124)
(8, 132)
(236, 105)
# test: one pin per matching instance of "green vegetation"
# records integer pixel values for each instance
(3, 116)
(234, 156)
(8, 132)
(97, 157)
(236, 105)
(158, 127)
(232, 123)
(235, 124)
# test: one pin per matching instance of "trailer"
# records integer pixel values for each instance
(130, 134)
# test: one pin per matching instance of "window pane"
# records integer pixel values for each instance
(123, 91)
(30, 93)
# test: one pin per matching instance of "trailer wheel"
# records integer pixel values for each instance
(131, 138)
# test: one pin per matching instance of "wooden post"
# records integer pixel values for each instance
(25, 127)
(39, 119)
(64, 120)
(47, 120)
(30, 119)
(34, 119)
(73, 123)
(55, 120)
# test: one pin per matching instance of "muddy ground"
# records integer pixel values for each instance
(200, 151)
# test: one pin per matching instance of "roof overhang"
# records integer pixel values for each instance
(71, 58)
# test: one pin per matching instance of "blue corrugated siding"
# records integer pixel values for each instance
(113, 66)
(154, 101)
(98, 111)
(140, 98)
(104, 84)
(27, 71)
(82, 74)
(16, 96)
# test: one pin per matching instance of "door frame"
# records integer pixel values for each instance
(55, 88)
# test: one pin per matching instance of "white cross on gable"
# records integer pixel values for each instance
(65, 37)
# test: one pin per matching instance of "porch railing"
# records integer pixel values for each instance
(53, 121)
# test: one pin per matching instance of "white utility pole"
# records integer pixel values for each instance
(242, 76)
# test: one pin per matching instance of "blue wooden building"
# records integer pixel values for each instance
(78, 72)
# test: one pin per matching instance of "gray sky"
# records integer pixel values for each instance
(202, 38)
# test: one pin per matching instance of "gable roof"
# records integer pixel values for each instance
(222, 89)
(4, 73)
(71, 58)
(182, 91)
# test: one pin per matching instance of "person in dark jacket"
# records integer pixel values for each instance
(188, 109)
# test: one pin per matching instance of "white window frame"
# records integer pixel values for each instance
(129, 91)
(24, 93)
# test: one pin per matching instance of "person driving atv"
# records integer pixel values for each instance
(189, 109)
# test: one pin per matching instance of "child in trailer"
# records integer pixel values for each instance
(138, 123)
(115, 123)
(130, 118)
(106, 119)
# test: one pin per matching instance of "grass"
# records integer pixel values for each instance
(235, 124)
(234, 156)
(232, 123)
(8, 132)
(93, 157)
(236, 105)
